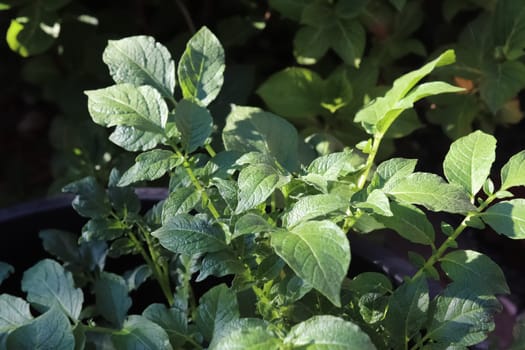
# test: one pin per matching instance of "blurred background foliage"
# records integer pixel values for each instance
(315, 62)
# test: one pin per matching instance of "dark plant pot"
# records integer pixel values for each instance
(21, 247)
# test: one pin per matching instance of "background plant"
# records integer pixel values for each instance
(268, 211)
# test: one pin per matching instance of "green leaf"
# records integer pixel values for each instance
(318, 252)
(509, 77)
(250, 129)
(377, 201)
(62, 244)
(409, 222)
(289, 8)
(245, 333)
(398, 4)
(407, 311)
(469, 160)
(509, 28)
(432, 192)
(256, 184)
(50, 331)
(251, 223)
(311, 207)
(386, 109)
(328, 332)
(180, 201)
(330, 27)
(217, 307)
(507, 218)
(124, 104)
(150, 165)
(201, 68)
(5, 271)
(475, 270)
(219, 264)
(173, 321)
(140, 333)
(513, 172)
(49, 285)
(332, 167)
(195, 124)
(124, 200)
(188, 234)
(137, 276)
(106, 229)
(310, 44)
(461, 316)
(133, 139)
(112, 299)
(140, 60)
(14, 312)
(293, 93)
(34, 30)
(370, 290)
(91, 200)
(392, 170)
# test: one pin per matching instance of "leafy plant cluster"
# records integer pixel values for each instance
(270, 214)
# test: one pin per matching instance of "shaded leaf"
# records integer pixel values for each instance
(180, 201)
(409, 222)
(195, 124)
(91, 199)
(5, 271)
(250, 129)
(50, 331)
(112, 299)
(172, 320)
(407, 311)
(217, 308)
(49, 285)
(293, 93)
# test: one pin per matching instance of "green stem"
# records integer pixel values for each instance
(160, 271)
(196, 183)
(166, 290)
(369, 161)
(210, 150)
(452, 238)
